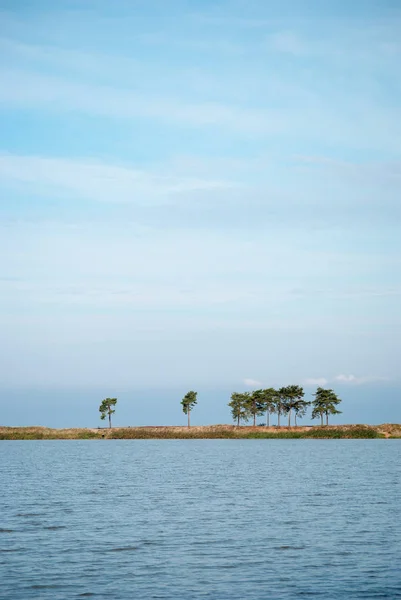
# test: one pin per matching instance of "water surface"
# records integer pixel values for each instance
(189, 519)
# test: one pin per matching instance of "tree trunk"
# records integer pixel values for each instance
(289, 418)
(189, 418)
(238, 421)
(254, 419)
(321, 419)
(278, 418)
(327, 418)
(109, 420)
(295, 419)
(268, 419)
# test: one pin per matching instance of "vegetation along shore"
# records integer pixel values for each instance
(245, 407)
(389, 431)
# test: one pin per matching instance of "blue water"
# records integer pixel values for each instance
(189, 519)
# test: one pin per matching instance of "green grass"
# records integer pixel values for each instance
(357, 432)
(352, 432)
(171, 434)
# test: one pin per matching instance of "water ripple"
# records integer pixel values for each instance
(215, 519)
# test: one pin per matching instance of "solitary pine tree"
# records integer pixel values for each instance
(325, 403)
(188, 402)
(239, 406)
(106, 408)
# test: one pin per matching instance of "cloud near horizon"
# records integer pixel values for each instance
(252, 383)
(352, 379)
(319, 381)
(343, 379)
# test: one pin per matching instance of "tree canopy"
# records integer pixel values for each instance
(255, 404)
(106, 408)
(269, 399)
(239, 406)
(188, 403)
(286, 400)
(325, 403)
(292, 400)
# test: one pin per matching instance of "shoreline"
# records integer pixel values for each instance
(385, 431)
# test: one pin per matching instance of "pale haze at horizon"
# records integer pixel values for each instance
(198, 195)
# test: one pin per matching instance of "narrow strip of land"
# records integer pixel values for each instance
(386, 431)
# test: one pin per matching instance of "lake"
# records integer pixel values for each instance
(189, 519)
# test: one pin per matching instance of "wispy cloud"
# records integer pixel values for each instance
(366, 173)
(24, 89)
(99, 181)
(288, 43)
(353, 379)
(324, 382)
(319, 381)
(343, 379)
(252, 383)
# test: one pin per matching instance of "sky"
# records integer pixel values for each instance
(198, 195)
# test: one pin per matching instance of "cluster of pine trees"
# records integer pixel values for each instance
(287, 400)
(284, 401)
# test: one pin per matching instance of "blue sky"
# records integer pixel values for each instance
(199, 194)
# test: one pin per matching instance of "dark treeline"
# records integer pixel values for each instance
(287, 401)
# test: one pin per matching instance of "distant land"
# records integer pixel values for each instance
(385, 431)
